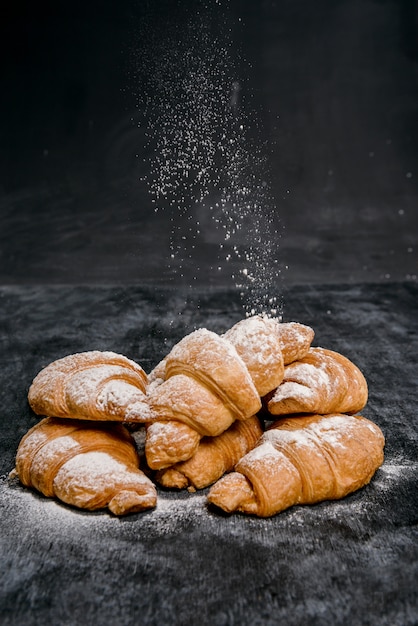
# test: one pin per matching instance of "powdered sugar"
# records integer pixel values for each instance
(192, 502)
(294, 438)
(95, 471)
(311, 375)
(295, 340)
(140, 411)
(291, 390)
(33, 440)
(52, 450)
(264, 451)
(333, 430)
(249, 336)
(391, 472)
(257, 344)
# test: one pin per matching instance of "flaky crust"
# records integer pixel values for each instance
(302, 460)
(89, 466)
(322, 382)
(214, 457)
(91, 385)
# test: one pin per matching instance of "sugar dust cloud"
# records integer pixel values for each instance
(208, 165)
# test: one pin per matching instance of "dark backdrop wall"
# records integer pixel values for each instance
(327, 90)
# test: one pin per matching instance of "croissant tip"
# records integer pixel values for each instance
(127, 501)
(139, 413)
(231, 492)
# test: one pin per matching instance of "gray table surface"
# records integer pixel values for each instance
(352, 561)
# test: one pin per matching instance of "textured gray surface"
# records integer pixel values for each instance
(348, 562)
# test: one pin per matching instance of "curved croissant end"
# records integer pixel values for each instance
(84, 466)
(91, 385)
(322, 382)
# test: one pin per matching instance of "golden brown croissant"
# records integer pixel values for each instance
(91, 385)
(90, 466)
(214, 456)
(302, 460)
(206, 388)
(322, 382)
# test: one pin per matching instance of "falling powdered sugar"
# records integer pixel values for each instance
(208, 169)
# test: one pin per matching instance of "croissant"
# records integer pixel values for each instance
(90, 467)
(91, 385)
(214, 457)
(302, 460)
(206, 388)
(322, 382)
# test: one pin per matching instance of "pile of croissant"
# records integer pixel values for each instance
(258, 414)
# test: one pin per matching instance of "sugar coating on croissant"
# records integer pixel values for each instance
(295, 340)
(302, 460)
(214, 456)
(257, 342)
(91, 385)
(322, 382)
(156, 376)
(90, 467)
(167, 443)
(213, 361)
